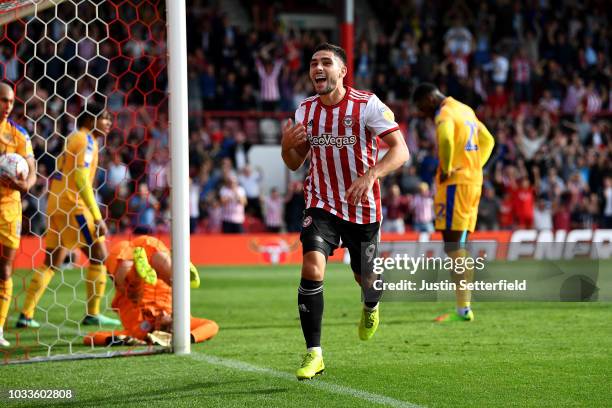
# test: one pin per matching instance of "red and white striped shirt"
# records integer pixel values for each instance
(343, 146)
(268, 82)
(592, 102)
(274, 211)
(522, 70)
(232, 210)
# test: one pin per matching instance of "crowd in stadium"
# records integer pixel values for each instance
(536, 73)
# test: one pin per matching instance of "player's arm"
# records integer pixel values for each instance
(241, 195)
(82, 180)
(486, 143)
(380, 120)
(126, 284)
(260, 68)
(120, 276)
(445, 131)
(395, 157)
(31, 179)
(85, 189)
(294, 144)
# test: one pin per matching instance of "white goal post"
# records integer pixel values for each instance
(179, 152)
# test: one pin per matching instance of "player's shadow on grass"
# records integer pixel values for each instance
(333, 321)
(407, 321)
(294, 325)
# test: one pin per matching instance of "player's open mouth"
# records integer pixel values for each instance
(320, 79)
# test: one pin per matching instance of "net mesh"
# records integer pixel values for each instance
(59, 56)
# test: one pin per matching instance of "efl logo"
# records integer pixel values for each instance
(327, 139)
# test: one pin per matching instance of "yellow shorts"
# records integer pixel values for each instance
(456, 206)
(10, 227)
(70, 230)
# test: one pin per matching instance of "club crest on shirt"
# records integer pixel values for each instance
(348, 121)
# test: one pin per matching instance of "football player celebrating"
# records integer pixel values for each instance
(339, 128)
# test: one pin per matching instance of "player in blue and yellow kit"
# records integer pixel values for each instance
(464, 146)
(13, 139)
(75, 220)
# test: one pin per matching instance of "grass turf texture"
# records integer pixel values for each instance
(514, 354)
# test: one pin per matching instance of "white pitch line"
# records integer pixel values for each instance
(317, 383)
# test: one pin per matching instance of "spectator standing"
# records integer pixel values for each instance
(269, 91)
(506, 216)
(562, 214)
(194, 205)
(527, 137)
(488, 211)
(233, 202)
(499, 67)
(294, 207)
(607, 203)
(523, 203)
(423, 206)
(118, 174)
(542, 215)
(251, 183)
(521, 73)
(143, 206)
(397, 208)
(273, 206)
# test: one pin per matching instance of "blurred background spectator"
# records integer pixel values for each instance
(233, 201)
(397, 208)
(423, 209)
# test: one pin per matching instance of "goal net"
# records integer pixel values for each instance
(61, 56)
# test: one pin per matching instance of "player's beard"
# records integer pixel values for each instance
(331, 85)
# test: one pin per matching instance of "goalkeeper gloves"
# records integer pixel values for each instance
(194, 276)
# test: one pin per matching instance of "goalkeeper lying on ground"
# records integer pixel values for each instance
(142, 274)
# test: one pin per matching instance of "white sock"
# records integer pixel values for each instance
(370, 309)
(317, 350)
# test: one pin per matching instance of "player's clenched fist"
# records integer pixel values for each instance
(293, 136)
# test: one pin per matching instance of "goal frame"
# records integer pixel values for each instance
(179, 183)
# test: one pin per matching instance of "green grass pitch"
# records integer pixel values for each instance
(514, 354)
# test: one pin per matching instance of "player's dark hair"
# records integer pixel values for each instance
(338, 51)
(422, 91)
(91, 111)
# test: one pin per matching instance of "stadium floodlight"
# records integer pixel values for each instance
(65, 55)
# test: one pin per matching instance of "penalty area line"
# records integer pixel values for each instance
(316, 383)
